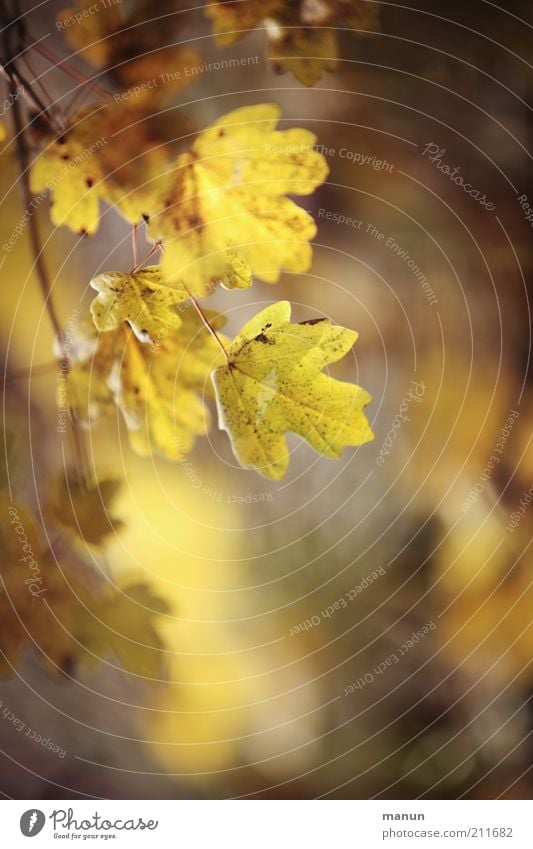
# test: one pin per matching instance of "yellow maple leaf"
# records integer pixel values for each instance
(141, 298)
(223, 210)
(84, 507)
(272, 383)
(158, 388)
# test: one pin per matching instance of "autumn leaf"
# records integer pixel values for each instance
(158, 388)
(307, 53)
(89, 33)
(301, 36)
(108, 152)
(128, 629)
(47, 607)
(232, 21)
(130, 44)
(141, 298)
(223, 213)
(272, 384)
(85, 507)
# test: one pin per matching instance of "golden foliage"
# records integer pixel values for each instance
(158, 388)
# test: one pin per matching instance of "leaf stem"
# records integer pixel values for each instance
(150, 253)
(209, 327)
(134, 246)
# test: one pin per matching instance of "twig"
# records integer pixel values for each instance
(64, 66)
(40, 265)
(33, 224)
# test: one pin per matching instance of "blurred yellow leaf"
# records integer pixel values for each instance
(88, 32)
(232, 21)
(158, 388)
(272, 384)
(307, 53)
(84, 507)
(301, 36)
(129, 43)
(47, 607)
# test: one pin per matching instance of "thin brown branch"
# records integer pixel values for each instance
(64, 66)
(33, 224)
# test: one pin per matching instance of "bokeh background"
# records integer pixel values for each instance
(419, 538)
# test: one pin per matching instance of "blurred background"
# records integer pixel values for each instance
(362, 628)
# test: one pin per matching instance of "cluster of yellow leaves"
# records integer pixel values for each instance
(269, 381)
(51, 610)
(158, 388)
(272, 383)
(221, 211)
(301, 35)
(126, 41)
(222, 214)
